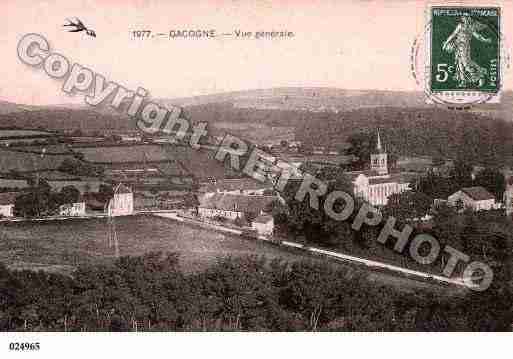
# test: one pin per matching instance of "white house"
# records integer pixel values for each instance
(248, 186)
(264, 225)
(122, 204)
(130, 138)
(7, 200)
(475, 198)
(73, 209)
(233, 206)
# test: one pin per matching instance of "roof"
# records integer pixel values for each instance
(368, 173)
(92, 202)
(330, 159)
(236, 184)
(122, 189)
(477, 193)
(7, 198)
(392, 178)
(236, 202)
(263, 219)
(375, 178)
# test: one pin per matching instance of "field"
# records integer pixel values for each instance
(62, 245)
(74, 242)
(15, 159)
(121, 154)
(22, 133)
(255, 132)
(200, 163)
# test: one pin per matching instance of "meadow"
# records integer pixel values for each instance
(84, 241)
(61, 246)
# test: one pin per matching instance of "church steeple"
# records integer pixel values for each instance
(379, 158)
(379, 149)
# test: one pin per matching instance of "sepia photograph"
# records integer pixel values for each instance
(289, 177)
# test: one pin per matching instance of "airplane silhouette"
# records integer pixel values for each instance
(79, 26)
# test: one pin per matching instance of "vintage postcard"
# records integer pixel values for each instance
(221, 167)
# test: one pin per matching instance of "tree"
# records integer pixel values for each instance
(250, 216)
(493, 180)
(435, 186)
(105, 192)
(461, 175)
(79, 168)
(191, 201)
(362, 145)
(68, 194)
(36, 201)
(408, 205)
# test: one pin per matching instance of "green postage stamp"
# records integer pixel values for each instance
(464, 49)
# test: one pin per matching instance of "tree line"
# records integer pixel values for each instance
(152, 293)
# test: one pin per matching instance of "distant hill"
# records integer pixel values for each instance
(304, 98)
(67, 119)
(9, 107)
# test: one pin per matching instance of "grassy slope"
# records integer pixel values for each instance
(74, 242)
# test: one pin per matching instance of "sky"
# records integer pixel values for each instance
(345, 44)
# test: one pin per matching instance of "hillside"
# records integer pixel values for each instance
(304, 98)
(421, 131)
(67, 119)
(9, 107)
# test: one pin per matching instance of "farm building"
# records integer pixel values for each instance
(246, 186)
(72, 209)
(7, 204)
(122, 204)
(233, 206)
(264, 225)
(475, 198)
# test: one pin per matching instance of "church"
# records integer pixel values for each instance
(377, 184)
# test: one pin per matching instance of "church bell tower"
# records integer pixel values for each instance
(379, 159)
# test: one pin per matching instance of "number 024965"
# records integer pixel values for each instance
(15, 346)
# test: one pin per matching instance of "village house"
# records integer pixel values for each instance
(122, 203)
(264, 225)
(475, 198)
(7, 200)
(318, 150)
(73, 209)
(130, 138)
(294, 146)
(233, 206)
(247, 186)
(377, 184)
